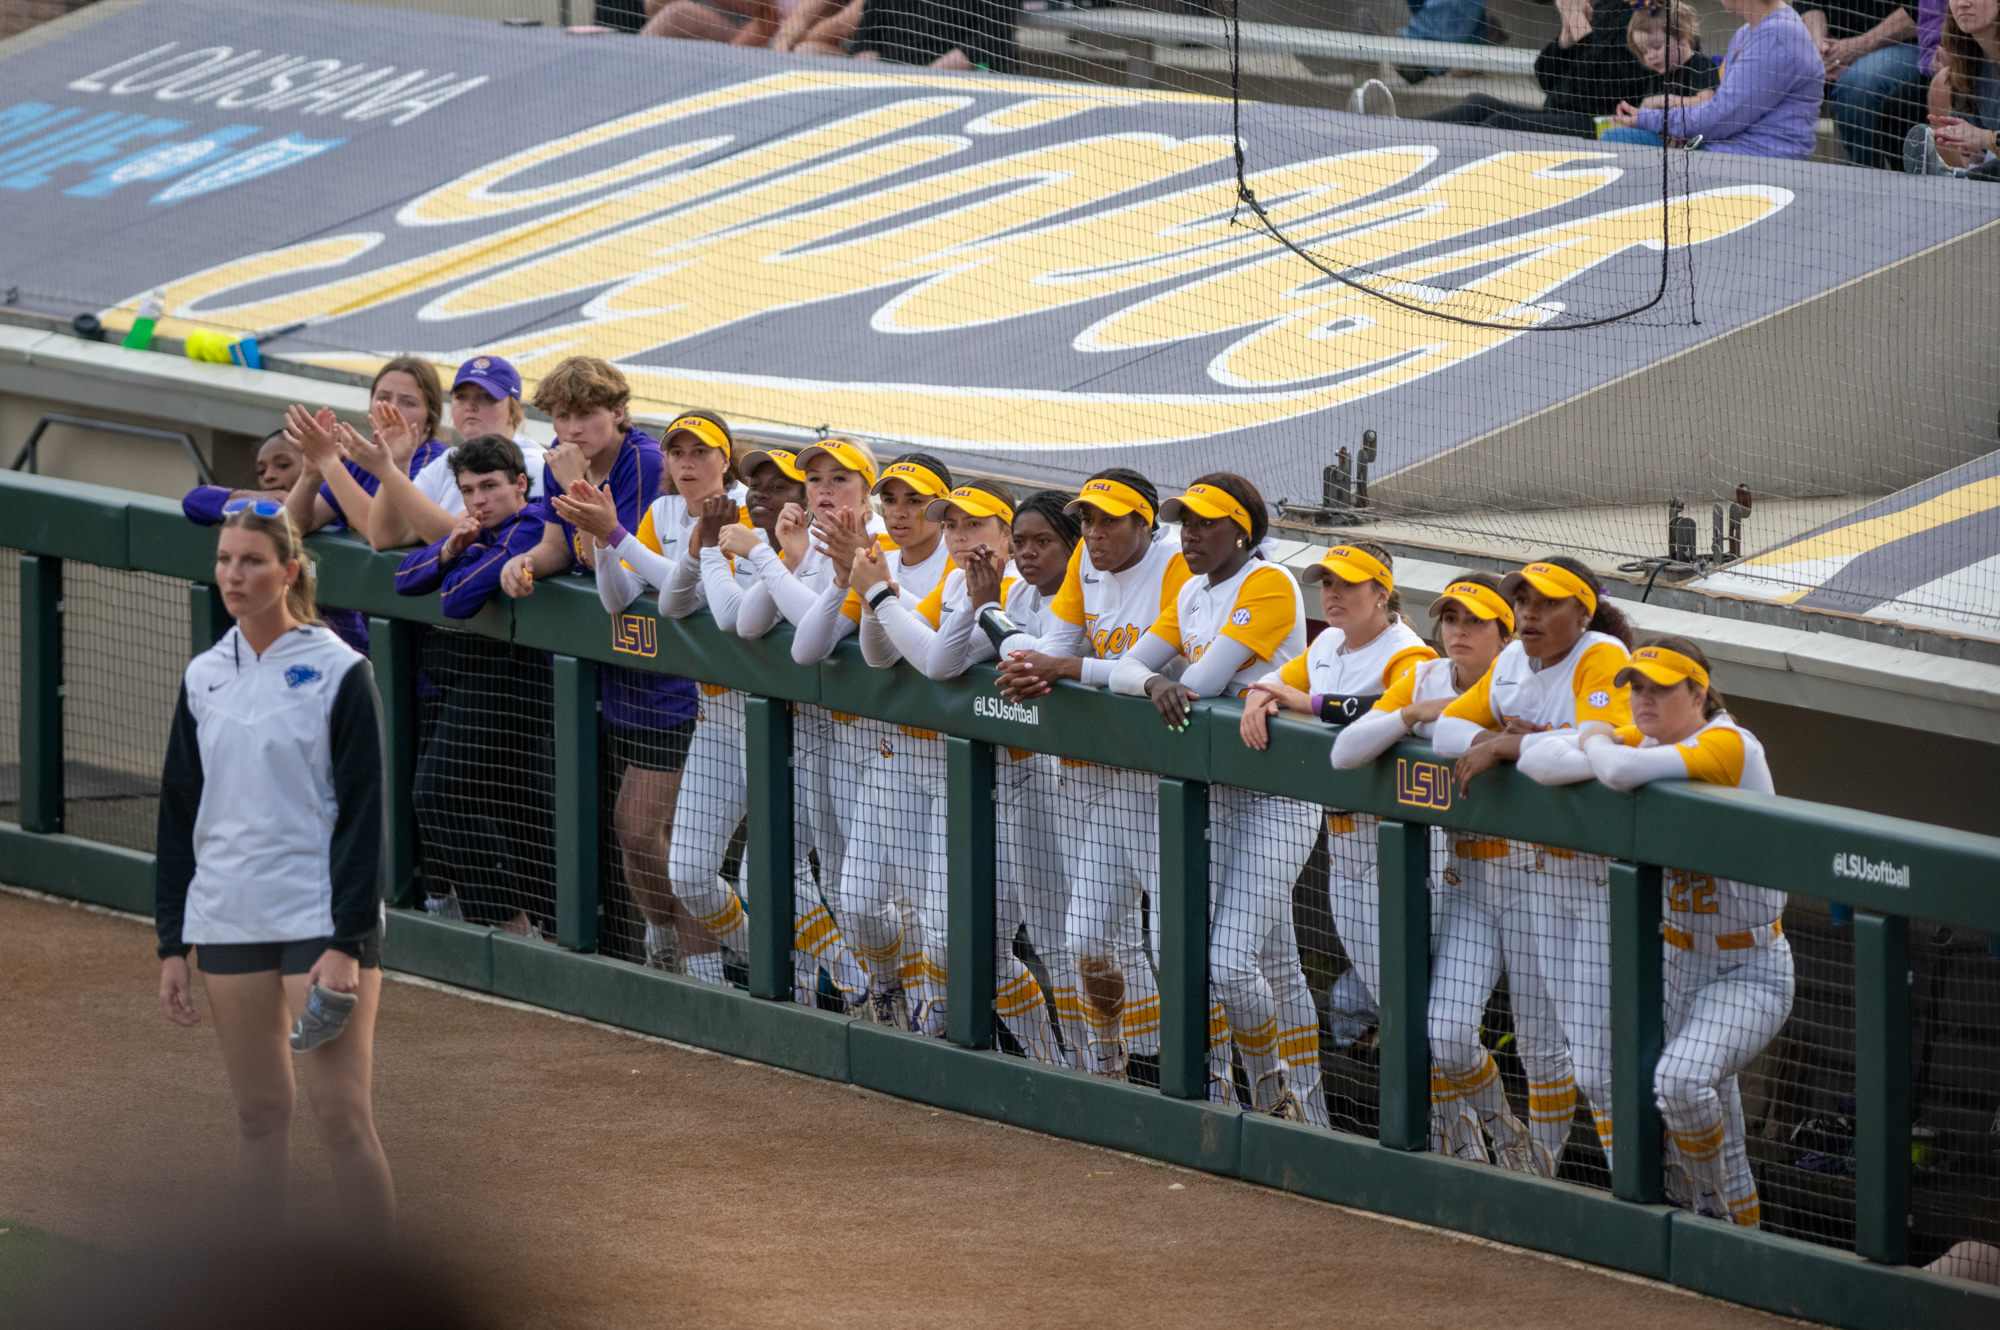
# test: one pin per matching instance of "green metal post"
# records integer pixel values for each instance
(767, 846)
(1882, 1087)
(969, 926)
(1636, 1030)
(208, 617)
(393, 653)
(41, 693)
(576, 802)
(1183, 938)
(1405, 860)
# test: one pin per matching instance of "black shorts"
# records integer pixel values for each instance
(650, 750)
(284, 957)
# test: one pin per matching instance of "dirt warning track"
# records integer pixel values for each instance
(573, 1175)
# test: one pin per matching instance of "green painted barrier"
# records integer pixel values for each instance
(1891, 869)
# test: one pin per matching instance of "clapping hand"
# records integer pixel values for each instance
(312, 433)
(391, 429)
(794, 532)
(842, 537)
(737, 540)
(371, 455)
(588, 509)
(983, 568)
(868, 571)
(717, 511)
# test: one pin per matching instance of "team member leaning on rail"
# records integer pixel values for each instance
(881, 778)
(1728, 965)
(686, 915)
(1121, 575)
(1366, 646)
(484, 790)
(1476, 936)
(1237, 618)
(648, 718)
(935, 634)
(270, 866)
(785, 584)
(1559, 672)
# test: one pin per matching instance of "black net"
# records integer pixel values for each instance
(1955, 1088)
(10, 685)
(485, 784)
(125, 649)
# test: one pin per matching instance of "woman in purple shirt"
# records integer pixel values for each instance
(1768, 105)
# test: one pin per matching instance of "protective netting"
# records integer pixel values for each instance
(10, 685)
(125, 648)
(1039, 278)
(1955, 1091)
(1798, 1095)
(485, 782)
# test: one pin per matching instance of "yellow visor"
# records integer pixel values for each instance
(842, 451)
(1112, 499)
(1349, 565)
(784, 460)
(702, 428)
(1553, 582)
(973, 501)
(917, 476)
(1207, 501)
(1662, 666)
(1482, 602)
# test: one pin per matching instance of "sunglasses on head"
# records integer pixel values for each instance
(261, 507)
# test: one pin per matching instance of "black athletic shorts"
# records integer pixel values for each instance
(284, 957)
(652, 750)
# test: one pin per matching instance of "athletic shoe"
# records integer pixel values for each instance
(444, 907)
(1373, 98)
(1111, 1067)
(323, 1019)
(663, 949)
(882, 1008)
(1920, 154)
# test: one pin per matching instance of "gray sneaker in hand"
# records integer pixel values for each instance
(324, 1018)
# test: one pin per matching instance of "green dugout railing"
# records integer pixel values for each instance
(1888, 869)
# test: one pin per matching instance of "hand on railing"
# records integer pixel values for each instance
(517, 576)
(589, 510)
(1171, 699)
(1489, 750)
(1029, 674)
(1260, 703)
(313, 434)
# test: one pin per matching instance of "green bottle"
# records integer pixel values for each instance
(150, 309)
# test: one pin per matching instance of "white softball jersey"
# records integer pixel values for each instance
(1557, 696)
(1099, 616)
(1260, 607)
(270, 826)
(1330, 666)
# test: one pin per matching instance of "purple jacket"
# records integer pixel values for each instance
(1768, 105)
(1930, 34)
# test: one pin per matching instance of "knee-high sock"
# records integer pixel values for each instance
(1019, 1003)
(720, 910)
(1454, 1125)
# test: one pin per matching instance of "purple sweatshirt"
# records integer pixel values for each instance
(1768, 105)
(1930, 34)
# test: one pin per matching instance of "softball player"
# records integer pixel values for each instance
(1120, 577)
(1559, 672)
(1236, 618)
(698, 464)
(884, 906)
(977, 521)
(270, 866)
(1474, 934)
(1729, 973)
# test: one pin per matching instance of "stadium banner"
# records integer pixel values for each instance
(1032, 277)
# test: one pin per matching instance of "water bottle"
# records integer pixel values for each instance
(150, 309)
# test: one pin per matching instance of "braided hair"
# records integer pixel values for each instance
(1049, 505)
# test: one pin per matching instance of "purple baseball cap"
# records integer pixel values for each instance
(493, 374)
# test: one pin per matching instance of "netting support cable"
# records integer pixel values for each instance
(1637, 1030)
(1404, 859)
(1248, 198)
(576, 802)
(970, 938)
(41, 693)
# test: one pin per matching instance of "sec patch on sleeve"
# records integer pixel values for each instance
(1600, 698)
(1240, 618)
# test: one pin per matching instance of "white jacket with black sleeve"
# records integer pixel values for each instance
(271, 801)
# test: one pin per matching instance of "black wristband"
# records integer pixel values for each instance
(882, 593)
(1337, 710)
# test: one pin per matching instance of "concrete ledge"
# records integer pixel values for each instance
(1549, 1216)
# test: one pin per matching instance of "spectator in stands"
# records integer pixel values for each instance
(1767, 104)
(1617, 53)
(278, 468)
(819, 27)
(484, 763)
(1965, 90)
(405, 407)
(1463, 21)
(1869, 49)
(426, 506)
(737, 22)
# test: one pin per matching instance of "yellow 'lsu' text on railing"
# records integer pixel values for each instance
(635, 635)
(1423, 784)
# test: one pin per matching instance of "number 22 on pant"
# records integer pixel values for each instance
(1691, 893)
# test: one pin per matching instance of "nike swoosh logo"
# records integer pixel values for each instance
(212, 687)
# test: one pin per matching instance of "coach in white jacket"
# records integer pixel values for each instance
(270, 863)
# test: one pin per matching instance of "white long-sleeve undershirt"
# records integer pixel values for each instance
(821, 627)
(1370, 735)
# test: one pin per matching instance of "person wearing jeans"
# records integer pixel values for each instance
(1874, 99)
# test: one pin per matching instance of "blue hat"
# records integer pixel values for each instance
(493, 374)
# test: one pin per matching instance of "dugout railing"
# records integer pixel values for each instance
(1888, 871)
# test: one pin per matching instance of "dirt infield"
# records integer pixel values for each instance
(577, 1176)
